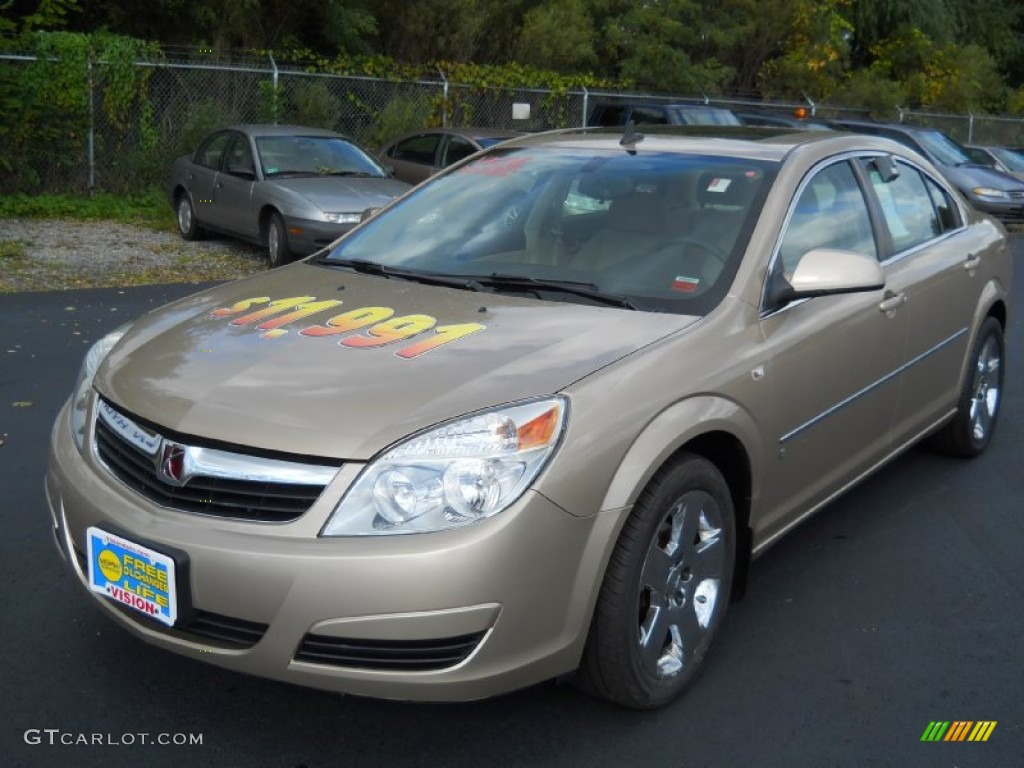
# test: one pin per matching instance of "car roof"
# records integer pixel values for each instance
(467, 132)
(752, 142)
(901, 127)
(267, 129)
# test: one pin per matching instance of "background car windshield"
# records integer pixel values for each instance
(1012, 160)
(664, 229)
(947, 151)
(705, 116)
(319, 155)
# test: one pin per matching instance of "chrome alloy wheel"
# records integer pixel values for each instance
(680, 583)
(274, 240)
(184, 215)
(985, 389)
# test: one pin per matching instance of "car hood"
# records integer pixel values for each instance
(340, 194)
(967, 177)
(189, 369)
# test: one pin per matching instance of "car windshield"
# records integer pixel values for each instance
(314, 156)
(943, 148)
(661, 231)
(1012, 160)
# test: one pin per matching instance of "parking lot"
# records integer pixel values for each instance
(898, 605)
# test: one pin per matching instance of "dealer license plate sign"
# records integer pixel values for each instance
(133, 575)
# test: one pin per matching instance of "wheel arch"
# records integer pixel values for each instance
(714, 428)
(268, 210)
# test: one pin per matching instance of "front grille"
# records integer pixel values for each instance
(392, 655)
(241, 499)
(1017, 194)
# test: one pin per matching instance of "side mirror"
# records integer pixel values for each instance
(827, 272)
(368, 213)
(887, 168)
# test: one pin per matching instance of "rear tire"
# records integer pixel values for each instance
(186, 217)
(666, 590)
(278, 251)
(970, 431)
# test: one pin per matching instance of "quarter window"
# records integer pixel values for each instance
(949, 214)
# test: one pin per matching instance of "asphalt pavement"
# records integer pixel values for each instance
(898, 605)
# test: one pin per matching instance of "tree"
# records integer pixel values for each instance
(558, 36)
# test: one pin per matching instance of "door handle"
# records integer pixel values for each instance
(218, 185)
(972, 263)
(892, 301)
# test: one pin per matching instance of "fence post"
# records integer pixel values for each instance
(970, 127)
(814, 107)
(586, 104)
(90, 141)
(273, 89)
(444, 96)
(900, 110)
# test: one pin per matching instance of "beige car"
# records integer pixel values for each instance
(535, 417)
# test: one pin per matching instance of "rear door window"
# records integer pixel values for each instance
(420, 149)
(909, 207)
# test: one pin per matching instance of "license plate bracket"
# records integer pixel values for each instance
(152, 581)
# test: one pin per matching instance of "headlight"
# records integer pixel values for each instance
(344, 218)
(453, 475)
(80, 397)
(988, 192)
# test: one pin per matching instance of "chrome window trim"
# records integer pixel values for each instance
(845, 157)
(213, 462)
(869, 388)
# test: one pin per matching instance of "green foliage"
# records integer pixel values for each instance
(272, 104)
(313, 104)
(558, 36)
(399, 116)
(149, 208)
(48, 102)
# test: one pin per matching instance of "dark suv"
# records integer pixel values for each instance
(661, 114)
(986, 189)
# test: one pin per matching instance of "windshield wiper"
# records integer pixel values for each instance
(359, 174)
(275, 174)
(466, 282)
(574, 287)
(484, 283)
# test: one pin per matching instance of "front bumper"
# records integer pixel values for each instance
(1010, 209)
(305, 236)
(516, 591)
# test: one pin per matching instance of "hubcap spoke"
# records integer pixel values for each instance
(680, 583)
(985, 400)
(657, 567)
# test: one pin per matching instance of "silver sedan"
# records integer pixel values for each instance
(293, 189)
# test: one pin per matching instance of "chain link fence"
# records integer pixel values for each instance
(77, 143)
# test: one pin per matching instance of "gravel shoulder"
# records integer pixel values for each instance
(59, 254)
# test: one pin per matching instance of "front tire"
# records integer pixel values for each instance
(666, 589)
(970, 430)
(278, 251)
